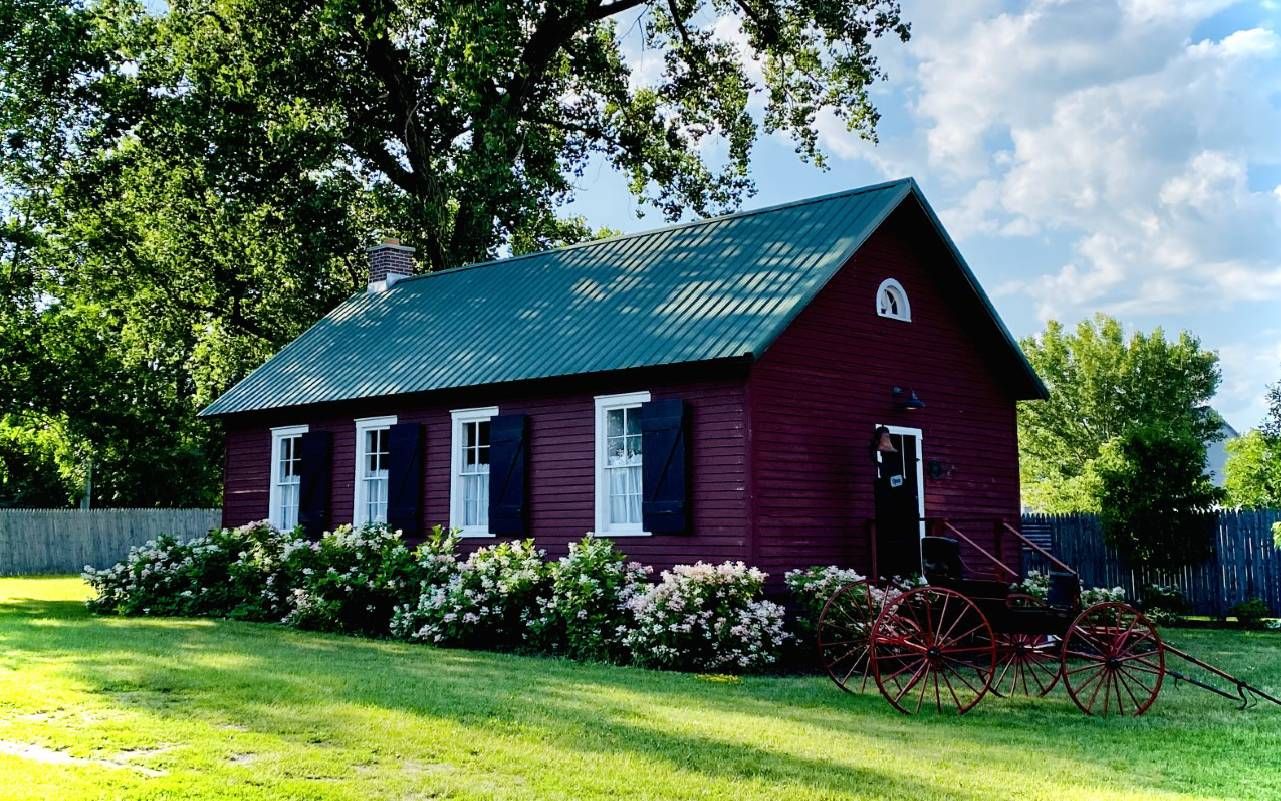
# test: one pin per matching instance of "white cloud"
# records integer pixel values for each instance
(1125, 135)
(1248, 368)
(1114, 140)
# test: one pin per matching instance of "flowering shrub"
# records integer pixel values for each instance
(811, 588)
(220, 574)
(585, 613)
(1037, 585)
(1164, 604)
(708, 618)
(351, 580)
(488, 603)
(1098, 595)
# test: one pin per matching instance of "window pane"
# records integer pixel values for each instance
(614, 423)
(632, 417)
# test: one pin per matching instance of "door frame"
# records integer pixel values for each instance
(920, 466)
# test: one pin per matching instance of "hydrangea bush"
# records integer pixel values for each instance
(810, 590)
(1037, 585)
(229, 573)
(352, 580)
(707, 618)
(585, 614)
(489, 602)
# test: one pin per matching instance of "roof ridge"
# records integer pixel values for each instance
(664, 229)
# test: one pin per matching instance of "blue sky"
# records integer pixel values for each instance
(1121, 156)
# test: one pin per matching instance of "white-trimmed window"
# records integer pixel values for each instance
(618, 464)
(891, 301)
(469, 471)
(372, 452)
(286, 464)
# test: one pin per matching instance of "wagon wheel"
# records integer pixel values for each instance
(843, 631)
(933, 643)
(1026, 664)
(1113, 660)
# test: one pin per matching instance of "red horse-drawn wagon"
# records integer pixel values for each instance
(956, 638)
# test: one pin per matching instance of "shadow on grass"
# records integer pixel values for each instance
(275, 680)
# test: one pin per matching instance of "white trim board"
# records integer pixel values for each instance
(457, 418)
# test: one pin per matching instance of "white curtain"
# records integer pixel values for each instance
(476, 496)
(625, 491)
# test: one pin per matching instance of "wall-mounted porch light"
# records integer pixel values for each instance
(907, 400)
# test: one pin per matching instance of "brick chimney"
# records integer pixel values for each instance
(389, 262)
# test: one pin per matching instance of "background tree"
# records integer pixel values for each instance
(185, 188)
(1155, 496)
(1252, 475)
(1104, 386)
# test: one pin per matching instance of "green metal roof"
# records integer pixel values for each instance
(711, 289)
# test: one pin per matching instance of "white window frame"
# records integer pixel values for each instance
(605, 403)
(278, 434)
(905, 306)
(360, 495)
(456, 440)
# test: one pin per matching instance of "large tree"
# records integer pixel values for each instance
(1252, 475)
(1104, 386)
(184, 188)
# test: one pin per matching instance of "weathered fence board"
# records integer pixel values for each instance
(35, 541)
(1245, 564)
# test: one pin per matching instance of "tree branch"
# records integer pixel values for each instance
(610, 9)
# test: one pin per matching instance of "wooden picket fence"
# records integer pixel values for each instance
(43, 541)
(1245, 564)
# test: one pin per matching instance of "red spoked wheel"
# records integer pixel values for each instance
(1113, 660)
(933, 643)
(1026, 664)
(844, 631)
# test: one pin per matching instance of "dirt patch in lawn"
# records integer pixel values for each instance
(52, 756)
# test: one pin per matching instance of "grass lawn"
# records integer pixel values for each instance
(150, 709)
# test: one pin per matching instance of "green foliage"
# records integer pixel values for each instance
(1103, 386)
(707, 618)
(185, 187)
(489, 602)
(1252, 474)
(1164, 605)
(1250, 613)
(1157, 498)
(37, 464)
(587, 607)
(353, 579)
(811, 588)
(229, 573)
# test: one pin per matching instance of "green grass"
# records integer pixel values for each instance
(150, 709)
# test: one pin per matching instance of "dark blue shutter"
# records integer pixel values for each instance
(664, 467)
(405, 478)
(507, 457)
(315, 451)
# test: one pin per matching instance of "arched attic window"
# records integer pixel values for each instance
(891, 301)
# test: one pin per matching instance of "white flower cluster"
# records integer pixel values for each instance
(1037, 585)
(485, 602)
(706, 617)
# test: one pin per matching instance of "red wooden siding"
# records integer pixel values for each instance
(561, 458)
(818, 392)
